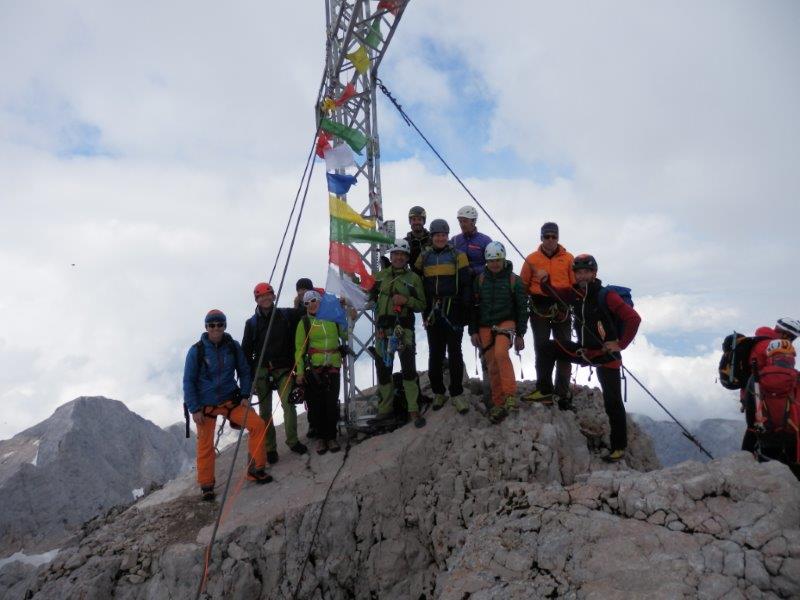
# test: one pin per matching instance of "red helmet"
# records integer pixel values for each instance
(262, 289)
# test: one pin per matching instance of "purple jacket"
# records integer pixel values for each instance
(473, 246)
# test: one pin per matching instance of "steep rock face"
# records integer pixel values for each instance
(90, 455)
(457, 509)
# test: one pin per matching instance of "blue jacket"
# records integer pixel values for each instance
(473, 246)
(215, 381)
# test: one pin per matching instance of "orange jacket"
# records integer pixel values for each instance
(558, 267)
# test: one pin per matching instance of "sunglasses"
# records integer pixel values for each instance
(310, 302)
(215, 325)
(549, 236)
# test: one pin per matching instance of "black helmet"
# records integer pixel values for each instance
(417, 211)
(439, 226)
(584, 261)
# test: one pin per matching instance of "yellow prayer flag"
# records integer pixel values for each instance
(360, 59)
(341, 210)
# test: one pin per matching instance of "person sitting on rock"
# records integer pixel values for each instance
(274, 371)
(210, 390)
(605, 325)
(447, 279)
(397, 294)
(319, 345)
(499, 319)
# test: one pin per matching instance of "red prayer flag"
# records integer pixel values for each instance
(349, 92)
(393, 6)
(350, 262)
(323, 143)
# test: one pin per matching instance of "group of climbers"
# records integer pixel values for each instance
(296, 349)
(466, 281)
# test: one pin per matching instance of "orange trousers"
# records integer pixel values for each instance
(501, 371)
(256, 429)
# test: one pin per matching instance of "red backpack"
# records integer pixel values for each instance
(778, 403)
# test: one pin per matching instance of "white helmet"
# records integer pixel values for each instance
(467, 212)
(494, 250)
(311, 296)
(400, 246)
(790, 326)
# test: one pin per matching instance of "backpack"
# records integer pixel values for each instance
(734, 364)
(777, 410)
(602, 301)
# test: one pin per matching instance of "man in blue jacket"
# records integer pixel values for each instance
(470, 241)
(210, 390)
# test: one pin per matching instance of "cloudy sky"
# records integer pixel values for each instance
(149, 153)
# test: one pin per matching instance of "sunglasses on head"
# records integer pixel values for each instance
(307, 302)
(215, 325)
(549, 236)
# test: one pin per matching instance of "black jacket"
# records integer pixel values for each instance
(279, 353)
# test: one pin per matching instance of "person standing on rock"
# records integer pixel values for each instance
(275, 370)
(499, 320)
(419, 238)
(605, 325)
(210, 390)
(398, 294)
(447, 279)
(319, 345)
(473, 243)
(548, 314)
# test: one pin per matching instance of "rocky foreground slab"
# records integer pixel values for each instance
(458, 509)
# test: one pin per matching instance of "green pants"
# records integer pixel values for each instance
(408, 367)
(264, 391)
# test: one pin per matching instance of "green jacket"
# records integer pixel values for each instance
(322, 346)
(391, 281)
(499, 298)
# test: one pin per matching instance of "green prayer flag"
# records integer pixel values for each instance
(355, 139)
(374, 36)
(348, 233)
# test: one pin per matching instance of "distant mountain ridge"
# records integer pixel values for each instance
(91, 454)
(721, 437)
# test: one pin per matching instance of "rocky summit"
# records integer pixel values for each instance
(90, 455)
(458, 509)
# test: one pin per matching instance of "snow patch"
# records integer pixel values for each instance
(6, 455)
(33, 559)
(35, 458)
(137, 493)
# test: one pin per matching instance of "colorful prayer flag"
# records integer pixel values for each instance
(348, 92)
(338, 157)
(374, 36)
(344, 288)
(360, 59)
(349, 261)
(339, 184)
(341, 210)
(323, 144)
(354, 138)
(330, 309)
(349, 233)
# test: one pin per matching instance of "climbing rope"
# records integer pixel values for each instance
(614, 355)
(307, 173)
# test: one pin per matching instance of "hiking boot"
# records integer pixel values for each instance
(333, 446)
(322, 447)
(497, 414)
(438, 401)
(616, 456)
(259, 475)
(461, 404)
(299, 448)
(272, 456)
(537, 396)
(418, 419)
(565, 403)
(208, 494)
(511, 404)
